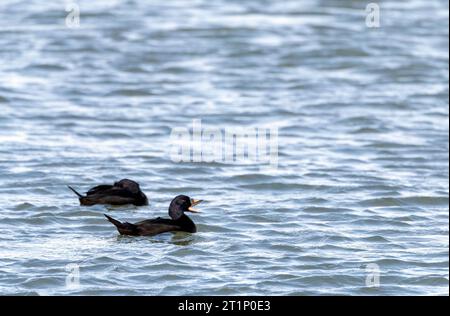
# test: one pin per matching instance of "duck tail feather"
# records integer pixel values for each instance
(123, 228)
(75, 191)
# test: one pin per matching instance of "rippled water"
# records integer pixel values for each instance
(363, 167)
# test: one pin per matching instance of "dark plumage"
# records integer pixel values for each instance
(150, 227)
(122, 192)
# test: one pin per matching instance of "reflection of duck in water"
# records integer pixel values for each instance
(178, 222)
(123, 192)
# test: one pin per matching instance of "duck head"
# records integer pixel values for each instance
(128, 184)
(182, 204)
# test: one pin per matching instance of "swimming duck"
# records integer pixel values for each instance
(122, 192)
(150, 227)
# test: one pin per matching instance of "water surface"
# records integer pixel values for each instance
(363, 169)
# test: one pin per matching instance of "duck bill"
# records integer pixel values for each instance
(193, 204)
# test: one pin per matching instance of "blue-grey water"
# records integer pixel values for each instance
(361, 191)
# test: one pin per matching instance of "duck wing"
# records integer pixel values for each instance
(112, 196)
(156, 226)
(99, 189)
(112, 191)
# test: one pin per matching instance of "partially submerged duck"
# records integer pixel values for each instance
(120, 193)
(150, 227)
